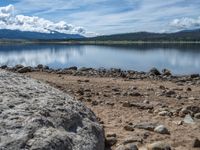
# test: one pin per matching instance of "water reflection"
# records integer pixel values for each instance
(181, 59)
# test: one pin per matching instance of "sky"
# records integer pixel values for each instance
(99, 17)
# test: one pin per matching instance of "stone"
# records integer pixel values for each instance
(18, 66)
(72, 68)
(194, 75)
(166, 72)
(197, 116)
(158, 146)
(40, 66)
(196, 143)
(44, 119)
(161, 129)
(170, 93)
(165, 113)
(4, 67)
(129, 128)
(24, 70)
(142, 106)
(131, 147)
(188, 119)
(134, 94)
(110, 141)
(154, 71)
(126, 104)
(127, 147)
(146, 126)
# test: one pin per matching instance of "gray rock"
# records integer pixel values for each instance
(146, 126)
(158, 146)
(154, 71)
(188, 119)
(197, 116)
(196, 143)
(161, 129)
(24, 70)
(34, 115)
(110, 141)
(4, 67)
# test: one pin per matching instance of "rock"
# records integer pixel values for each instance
(131, 147)
(196, 143)
(129, 128)
(154, 71)
(40, 66)
(131, 140)
(111, 135)
(161, 129)
(189, 110)
(127, 147)
(188, 89)
(165, 113)
(4, 67)
(197, 116)
(142, 106)
(194, 75)
(134, 94)
(72, 68)
(18, 67)
(94, 103)
(188, 119)
(126, 104)
(146, 126)
(110, 141)
(170, 93)
(46, 119)
(24, 70)
(166, 72)
(85, 69)
(158, 146)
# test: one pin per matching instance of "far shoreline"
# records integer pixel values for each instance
(82, 42)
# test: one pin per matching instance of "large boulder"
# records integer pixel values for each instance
(34, 115)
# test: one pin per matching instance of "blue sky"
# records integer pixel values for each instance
(114, 16)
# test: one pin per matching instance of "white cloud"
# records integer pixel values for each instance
(26, 23)
(186, 23)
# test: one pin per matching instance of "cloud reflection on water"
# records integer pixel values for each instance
(181, 60)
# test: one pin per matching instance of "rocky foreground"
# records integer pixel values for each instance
(35, 116)
(139, 110)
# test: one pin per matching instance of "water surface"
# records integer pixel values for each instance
(180, 59)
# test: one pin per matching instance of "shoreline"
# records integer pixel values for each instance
(131, 105)
(153, 73)
(94, 42)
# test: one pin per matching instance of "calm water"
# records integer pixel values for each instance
(180, 59)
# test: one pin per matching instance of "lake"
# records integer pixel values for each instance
(180, 59)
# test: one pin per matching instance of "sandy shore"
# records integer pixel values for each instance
(131, 108)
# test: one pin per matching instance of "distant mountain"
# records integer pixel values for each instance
(16, 34)
(185, 35)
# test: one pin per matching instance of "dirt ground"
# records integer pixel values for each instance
(107, 97)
